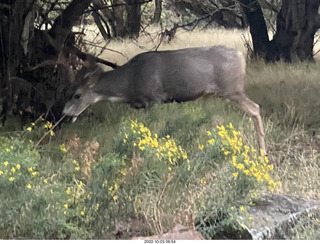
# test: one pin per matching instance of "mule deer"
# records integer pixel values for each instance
(167, 76)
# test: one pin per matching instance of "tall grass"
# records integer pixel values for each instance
(118, 172)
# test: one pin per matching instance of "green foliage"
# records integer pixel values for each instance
(32, 207)
(140, 177)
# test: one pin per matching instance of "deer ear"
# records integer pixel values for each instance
(93, 76)
(91, 84)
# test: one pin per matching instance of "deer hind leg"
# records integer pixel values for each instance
(253, 110)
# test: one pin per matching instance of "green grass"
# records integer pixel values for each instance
(103, 187)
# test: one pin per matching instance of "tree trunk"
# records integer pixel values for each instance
(115, 16)
(118, 18)
(157, 12)
(13, 28)
(133, 17)
(101, 28)
(297, 24)
(16, 28)
(258, 28)
(63, 23)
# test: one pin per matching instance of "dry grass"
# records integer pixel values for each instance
(121, 51)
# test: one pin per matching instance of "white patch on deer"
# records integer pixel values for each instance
(97, 99)
(115, 99)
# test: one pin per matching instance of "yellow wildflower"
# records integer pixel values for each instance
(184, 155)
(235, 175)
(240, 166)
(66, 206)
(48, 125)
(203, 181)
(11, 179)
(1, 172)
(29, 129)
(141, 148)
(211, 141)
(270, 167)
(82, 213)
(80, 185)
(242, 209)
(29, 186)
(201, 146)
(234, 160)
(18, 166)
(63, 148)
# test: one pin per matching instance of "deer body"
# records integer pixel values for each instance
(167, 76)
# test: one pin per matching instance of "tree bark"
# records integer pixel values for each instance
(13, 24)
(63, 23)
(297, 24)
(133, 8)
(115, 16)
(258, 28)
(100, 26)
(157, 12)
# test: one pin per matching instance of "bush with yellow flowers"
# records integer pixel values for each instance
(35, 203)
(136, 137)
(147, 175)
(18, 166)
(247, 162)
(242, 171)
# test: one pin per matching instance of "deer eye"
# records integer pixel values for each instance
(77, 96)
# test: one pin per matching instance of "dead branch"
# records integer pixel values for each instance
(85, 56)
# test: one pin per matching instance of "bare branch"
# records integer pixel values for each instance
(86, 56)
